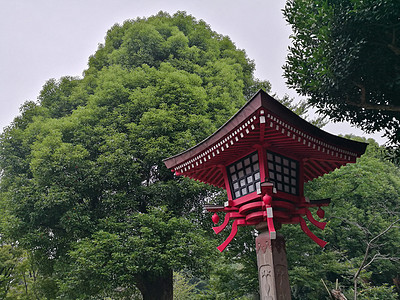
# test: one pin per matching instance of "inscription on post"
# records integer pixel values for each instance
(272, 267)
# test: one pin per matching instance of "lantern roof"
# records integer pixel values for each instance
(264, 121)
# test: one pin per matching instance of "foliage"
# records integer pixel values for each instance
(365, 201)
(82, 173)
(18, 277)
(165, 243)
(9, 257)
(182, 287)
(188, 286)
(378, 292)
(345, 57)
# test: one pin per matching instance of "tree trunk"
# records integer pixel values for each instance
(156, 288)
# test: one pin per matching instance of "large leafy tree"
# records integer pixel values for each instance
(345, 58)
(82, 173)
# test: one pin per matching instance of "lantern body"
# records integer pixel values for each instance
(262, 156)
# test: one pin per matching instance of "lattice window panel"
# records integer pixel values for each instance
(283, 172)
(244, 176)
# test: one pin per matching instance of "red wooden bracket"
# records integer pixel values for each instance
(320, 225)
(230, 237)
(235, 224)
(221, 227)
(307, 231)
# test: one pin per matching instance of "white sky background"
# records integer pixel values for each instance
(45, 39)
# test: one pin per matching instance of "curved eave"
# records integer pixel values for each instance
(265, 121)
(250, 107)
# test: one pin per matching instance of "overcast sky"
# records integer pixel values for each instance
(45, 39)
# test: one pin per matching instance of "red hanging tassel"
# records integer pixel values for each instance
(215, 218)
(320, 212)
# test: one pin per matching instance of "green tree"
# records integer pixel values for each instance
(82, 172)
(9, 257)
(18, 274)
(363, 243)
(345, 57)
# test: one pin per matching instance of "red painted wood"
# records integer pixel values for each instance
(230, 237)
(320, 225)
(307, 231)
(265, 125)
(262, 161)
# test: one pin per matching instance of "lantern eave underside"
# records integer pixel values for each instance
(264, 122)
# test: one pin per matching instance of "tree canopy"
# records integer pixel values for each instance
(83, 179)
(345, 58)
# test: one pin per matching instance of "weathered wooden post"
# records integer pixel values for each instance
(272, 265)
(262, 156)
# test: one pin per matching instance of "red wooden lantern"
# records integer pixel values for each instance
(262, 156)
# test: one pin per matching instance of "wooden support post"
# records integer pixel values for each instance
(272, 266)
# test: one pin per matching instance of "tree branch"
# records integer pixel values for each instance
(363, 93)
(355, 224)
(363, 264)
(395, 49)
(376, 256)
(369, 106)
(392, 46)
